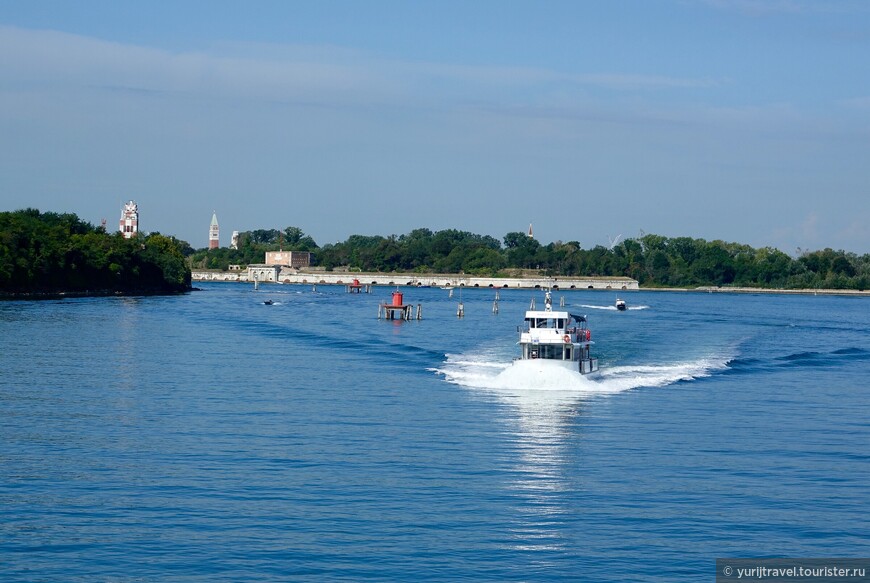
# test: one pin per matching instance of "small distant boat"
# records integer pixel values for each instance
(620, 305)
(268, 302)
(551, 339)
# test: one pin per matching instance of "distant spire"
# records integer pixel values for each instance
(214, 232)
(530, 230)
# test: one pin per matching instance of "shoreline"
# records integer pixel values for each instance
(762, 290)
(419, 280)
(700, 289)
(277, 274)
(59, 295)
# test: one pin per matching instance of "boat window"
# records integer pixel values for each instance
(567, 355)
(550, 351)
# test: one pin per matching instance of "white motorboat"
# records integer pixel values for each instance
(620, 305)
(556, 339)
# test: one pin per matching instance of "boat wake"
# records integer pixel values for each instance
(613, 308)
(486, 371)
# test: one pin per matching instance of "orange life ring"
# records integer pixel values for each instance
(588, 334)
(566, 338)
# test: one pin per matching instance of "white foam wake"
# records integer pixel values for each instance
(612, 308)
(485, 372)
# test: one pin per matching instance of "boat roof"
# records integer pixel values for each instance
(551, 314)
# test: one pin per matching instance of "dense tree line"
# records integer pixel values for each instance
(653, 260)
(52, 253)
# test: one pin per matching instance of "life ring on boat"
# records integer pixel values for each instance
(566, 338)
(588, 334)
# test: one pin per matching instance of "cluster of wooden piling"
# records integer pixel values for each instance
(358, 288)
(398, 309)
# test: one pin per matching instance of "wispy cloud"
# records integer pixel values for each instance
(285, 73)
(49, 57)
(762, 7)
(628, 81)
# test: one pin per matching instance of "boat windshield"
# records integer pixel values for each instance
(549, 351)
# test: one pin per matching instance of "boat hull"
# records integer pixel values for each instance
(543, 366)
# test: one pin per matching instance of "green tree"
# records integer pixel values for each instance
(51, 253)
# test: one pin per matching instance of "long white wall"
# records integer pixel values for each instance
(438, 280)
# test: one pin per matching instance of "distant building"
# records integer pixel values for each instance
(214, 233)
(129, 223)
(263, 273)
(296, 259)
(234, 242)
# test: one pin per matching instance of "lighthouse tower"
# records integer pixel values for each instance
(214, 233)
(129, 223)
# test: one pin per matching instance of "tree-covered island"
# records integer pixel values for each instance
(50, 253)
(653, 260)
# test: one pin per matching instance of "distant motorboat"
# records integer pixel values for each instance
(620, 305)
(268, 302)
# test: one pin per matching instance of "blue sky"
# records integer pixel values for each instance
(741, 120)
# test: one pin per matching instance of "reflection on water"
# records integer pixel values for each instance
(538, 420)
(127, 325)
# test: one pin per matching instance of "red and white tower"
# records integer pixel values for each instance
(129, 223)
(214, 232)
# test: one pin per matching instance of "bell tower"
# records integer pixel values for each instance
(129, 223)
(214, 233)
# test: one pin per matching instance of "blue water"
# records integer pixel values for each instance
(210, 437)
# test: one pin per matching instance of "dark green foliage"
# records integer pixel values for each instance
(653, 260)
(421, 250)
(53, 253)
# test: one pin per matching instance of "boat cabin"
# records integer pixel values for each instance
(557, 336)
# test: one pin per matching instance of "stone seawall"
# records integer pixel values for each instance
(429, 280)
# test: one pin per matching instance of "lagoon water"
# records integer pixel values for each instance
(210, 437)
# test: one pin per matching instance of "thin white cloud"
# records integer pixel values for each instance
(49, 57)
(626, 81)
(285, 73)
(764, 7)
